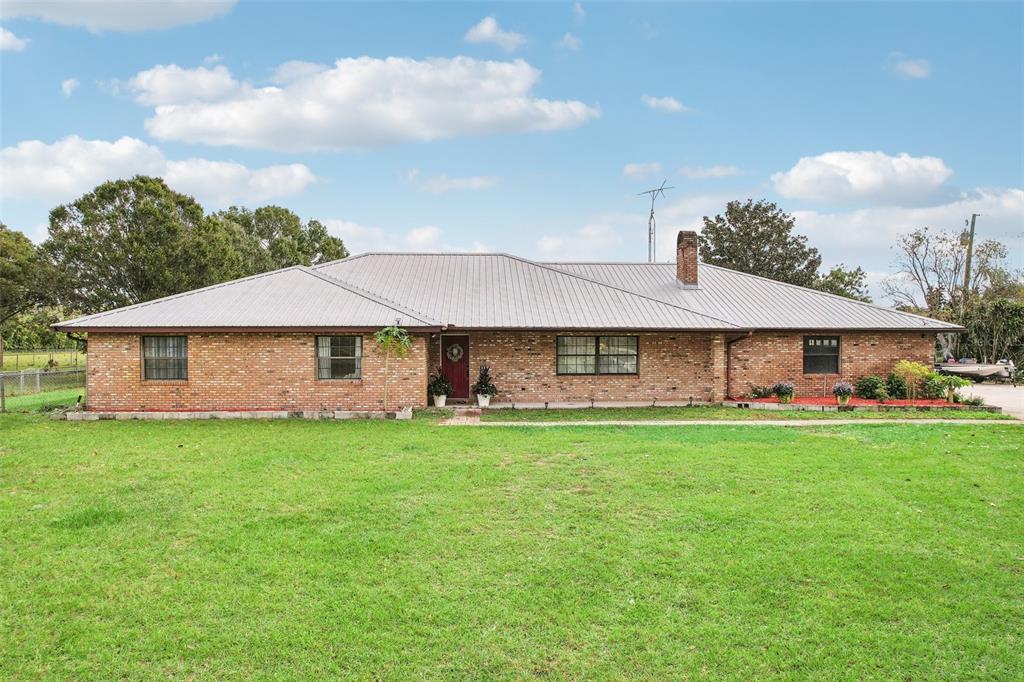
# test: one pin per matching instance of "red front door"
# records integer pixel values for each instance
(455, 364)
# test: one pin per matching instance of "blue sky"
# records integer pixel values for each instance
(528, 128)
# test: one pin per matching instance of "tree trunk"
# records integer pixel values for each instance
(387, 355)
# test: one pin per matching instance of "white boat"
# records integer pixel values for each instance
(979, 371)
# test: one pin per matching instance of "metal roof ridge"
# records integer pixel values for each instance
(182, 294)
(627, 291)
(377, 298)
(844, 299)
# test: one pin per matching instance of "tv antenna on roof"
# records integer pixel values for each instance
(651, 224)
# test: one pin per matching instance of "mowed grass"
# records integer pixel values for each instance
(48, 400)
(300, 549)
(720, 414)
(66, 359)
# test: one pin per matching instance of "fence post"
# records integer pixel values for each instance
(21, 383)
(3, 393)
(39, 389)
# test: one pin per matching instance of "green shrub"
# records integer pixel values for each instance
(913, 375)
(869, 386)
(934, 386)
(974, 401)
(896, 386)
(760, 392)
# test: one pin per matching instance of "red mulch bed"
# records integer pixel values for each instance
(854, 401)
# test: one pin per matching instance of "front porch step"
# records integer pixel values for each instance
(466, 411)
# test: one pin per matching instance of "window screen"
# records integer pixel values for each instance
(165, 357)
(339, 357)
(596, 355)
(821, 355)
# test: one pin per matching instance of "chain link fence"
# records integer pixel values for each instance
(42, 358)
(31, 382)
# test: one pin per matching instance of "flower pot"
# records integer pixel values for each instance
(439, 400)
(483, 400)
(843, 399)
(785, 399)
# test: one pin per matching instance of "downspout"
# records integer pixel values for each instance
(728, 358)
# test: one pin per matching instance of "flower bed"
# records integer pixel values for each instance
(859, 402)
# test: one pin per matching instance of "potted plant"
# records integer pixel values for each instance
(484, 387)
(439, 387)
(842, 390)
(784, 391)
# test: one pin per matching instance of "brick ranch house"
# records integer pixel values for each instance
(302, 338)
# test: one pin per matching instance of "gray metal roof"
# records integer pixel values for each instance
(479, 291)
(750, 301)
(501, 291)
(295, 297)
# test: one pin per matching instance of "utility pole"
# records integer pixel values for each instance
(967, 266)
(651, 224)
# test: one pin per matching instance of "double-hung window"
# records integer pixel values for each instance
(165, 358)
(596, 355)
(821, 355)
(339, 357)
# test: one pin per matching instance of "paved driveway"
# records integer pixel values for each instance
(1008, 397)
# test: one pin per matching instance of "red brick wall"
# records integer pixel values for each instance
(673, 367)
(264, 371)
(765, 358)
(269, 371)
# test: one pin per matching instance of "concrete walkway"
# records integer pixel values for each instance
(475, 421)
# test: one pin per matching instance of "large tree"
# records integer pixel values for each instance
(842, 282)
(757, 237)
(274, 237)
(24, 278)
(129, 241)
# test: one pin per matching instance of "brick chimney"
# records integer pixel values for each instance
(686, 259)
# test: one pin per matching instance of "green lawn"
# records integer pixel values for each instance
(48, 400)
(719, 413)
(301, 549)
(66, 359)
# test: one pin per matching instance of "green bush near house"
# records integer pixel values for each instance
(869, 387)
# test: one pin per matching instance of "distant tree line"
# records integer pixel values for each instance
(130, 241)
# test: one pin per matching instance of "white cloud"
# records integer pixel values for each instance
(424, 237)
(117, 15)
(638, 171)
(905, 67)
(296, 70)
(211, 59)
(578, 12)
(366, 103)
(666, 104)
(590, 241)
(68, 86)
(172, 84)
(10, 42)
(569, 42)
(872, 176)
(71, 166)
(439, 184)
(360, 238)
(701, 172)
(488, 31)
(224, 182)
